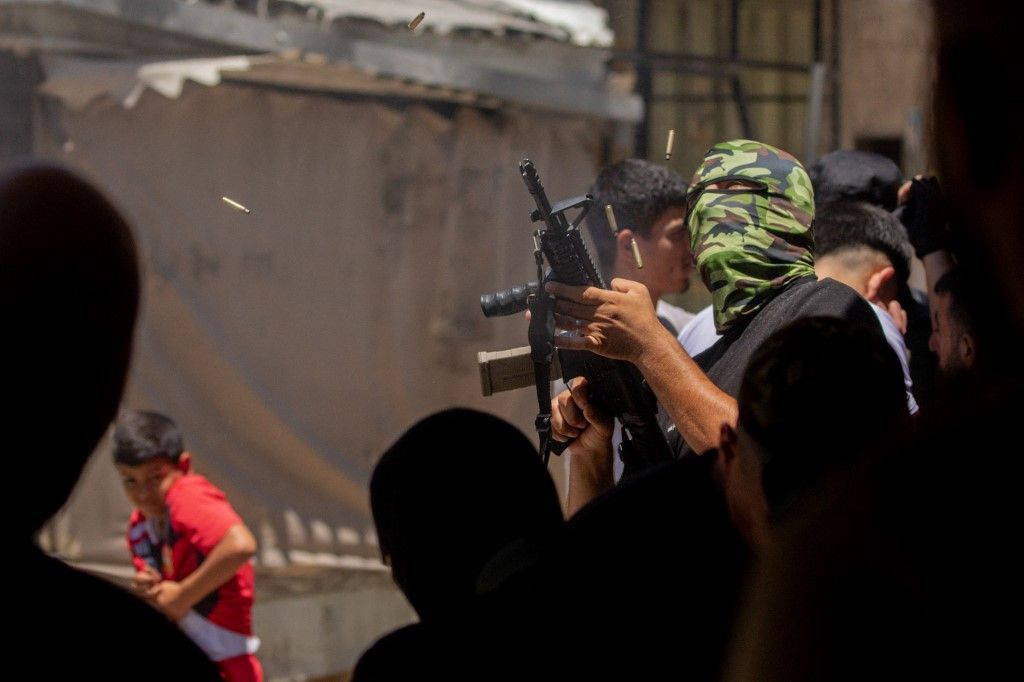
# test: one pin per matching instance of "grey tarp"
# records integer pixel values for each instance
(295, 343)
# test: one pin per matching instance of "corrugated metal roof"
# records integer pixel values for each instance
(578, 22)
(77, 82)
(549, 74)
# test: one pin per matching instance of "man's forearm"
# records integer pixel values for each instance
(621, 323)
(590, 475)
(696, 406)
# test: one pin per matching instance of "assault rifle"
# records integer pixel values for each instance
(615, 386)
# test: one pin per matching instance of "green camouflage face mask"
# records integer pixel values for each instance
(750, 242)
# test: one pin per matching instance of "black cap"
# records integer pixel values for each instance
(856, 176)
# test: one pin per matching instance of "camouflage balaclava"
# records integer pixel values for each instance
(751, 242)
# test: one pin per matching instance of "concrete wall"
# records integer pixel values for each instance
(318, 626)
(18, 79)
(884, 73)
(887, 73)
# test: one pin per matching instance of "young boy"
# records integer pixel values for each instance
(190, 549)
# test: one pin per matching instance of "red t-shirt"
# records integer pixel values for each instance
(198, 515)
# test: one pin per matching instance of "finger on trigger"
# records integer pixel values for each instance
(573, 310)
(573, 342)
(560, 290)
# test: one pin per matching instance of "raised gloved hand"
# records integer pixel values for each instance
(924, 216)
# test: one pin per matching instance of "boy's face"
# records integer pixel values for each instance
(666, 254)
(147, 484)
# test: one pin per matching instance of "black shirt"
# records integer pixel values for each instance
(726, 362)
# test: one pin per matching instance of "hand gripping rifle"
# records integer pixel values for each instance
(615, 386)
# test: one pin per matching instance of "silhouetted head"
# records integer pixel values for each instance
(814, 396)
(69, 289)
(456, 488)
(979, 148)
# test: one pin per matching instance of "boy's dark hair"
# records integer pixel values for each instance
(853, 175)
(639, 192)
(843, 225)
(814, 396)
(141, 436)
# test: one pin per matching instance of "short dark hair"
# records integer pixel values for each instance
(141, 436)
(853, 175)
(814, 396)
(953, 283)
(639, 192)
(840, 225)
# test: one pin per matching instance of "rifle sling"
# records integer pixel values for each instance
(542, 348)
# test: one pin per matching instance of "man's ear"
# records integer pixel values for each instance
(877, 281)
(185, 462)
(624, 239)
(967, 350)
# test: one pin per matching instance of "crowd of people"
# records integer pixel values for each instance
(826, 514)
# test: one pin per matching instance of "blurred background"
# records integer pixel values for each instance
(295, 342)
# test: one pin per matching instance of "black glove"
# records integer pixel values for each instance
(924, 216)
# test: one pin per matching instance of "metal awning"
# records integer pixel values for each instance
(535, 63)
(77, 82)
(578, 22)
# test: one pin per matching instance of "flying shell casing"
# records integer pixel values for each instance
(610, 214)
(636, 255)
(235, 205)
